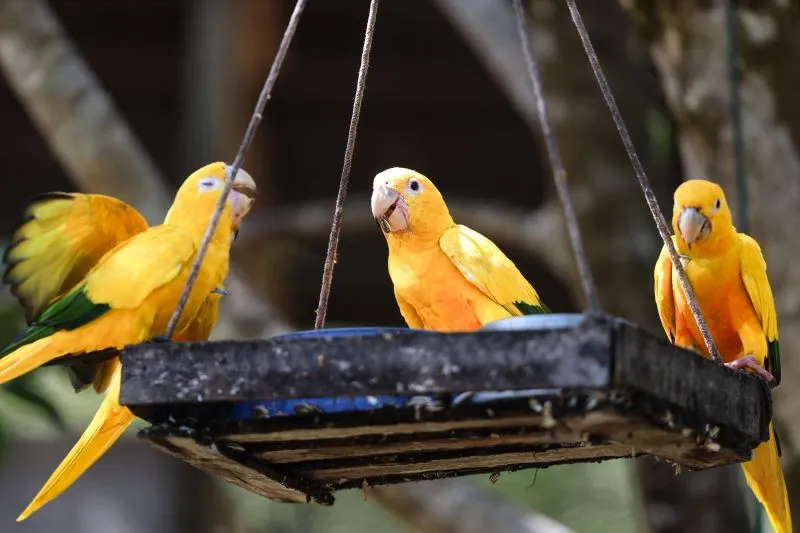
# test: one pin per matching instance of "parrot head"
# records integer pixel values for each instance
(199, 194)
(701, 218)
(406, 202)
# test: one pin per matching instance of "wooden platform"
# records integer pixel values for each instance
(597, 390)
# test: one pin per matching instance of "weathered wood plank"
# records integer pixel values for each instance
(663, 376)
(415, 363)
(411, 428)
(495, 460)
(262, 480)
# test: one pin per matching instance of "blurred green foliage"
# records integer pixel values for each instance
(25, 391)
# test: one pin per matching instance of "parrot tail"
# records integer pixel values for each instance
(28, 357)
(97, 336)
(110, 421)
(765, 478)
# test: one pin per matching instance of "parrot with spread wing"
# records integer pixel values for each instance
(728, 275)
(128, 296)
(446, 276)
(62, 236)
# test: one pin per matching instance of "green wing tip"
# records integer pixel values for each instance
(774, 360)
(530, 309)
(69, 312)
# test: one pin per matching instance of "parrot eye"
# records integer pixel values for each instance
(414, 185)
(717, 204)
(208, 184)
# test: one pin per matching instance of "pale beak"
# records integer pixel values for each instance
(242, 196)
(693, 225)
(389, 209)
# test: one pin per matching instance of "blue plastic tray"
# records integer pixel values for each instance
(270, 408)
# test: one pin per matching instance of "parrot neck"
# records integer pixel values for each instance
(195, 222)
(421, 236)
(718, 242)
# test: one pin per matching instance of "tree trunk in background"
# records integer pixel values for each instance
(93, 142)
(619, 233)
(687, 42)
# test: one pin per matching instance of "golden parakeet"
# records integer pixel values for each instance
(446, 276)
(729, 279)
(62, 236)
(127, 297)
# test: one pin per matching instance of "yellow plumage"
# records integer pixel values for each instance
(446, 276)
(728, 274)
(62, 237)
(128, 296)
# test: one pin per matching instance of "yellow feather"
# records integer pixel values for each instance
(764, 476)
(484, 265)
(142, 278)
(63, 236)
(662, 286)
(754, 275)
(722, 263)
(446, 277)
(109, 423)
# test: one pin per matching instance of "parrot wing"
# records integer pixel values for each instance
(754, 275)
(122, 279)
(482, 263)
(62, 237)
(662, 287)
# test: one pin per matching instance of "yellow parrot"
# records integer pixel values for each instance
(62, 236)
(728, 274)
(446, 276)
(127, 297)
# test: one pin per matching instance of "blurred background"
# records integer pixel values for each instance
(127, 97)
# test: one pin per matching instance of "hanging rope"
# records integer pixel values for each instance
(559, 174)
(266, 92)
(649, 195)
(735, 109)
(336, 227)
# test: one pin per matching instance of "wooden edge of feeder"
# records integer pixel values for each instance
(601, 352)
(690, 388)
(413, 363)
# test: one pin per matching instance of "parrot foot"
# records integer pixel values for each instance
(749, 362)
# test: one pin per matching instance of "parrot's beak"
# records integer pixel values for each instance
(242, 196)
(693, 225)
(389, 209)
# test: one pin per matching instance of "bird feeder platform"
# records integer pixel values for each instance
(297, 417)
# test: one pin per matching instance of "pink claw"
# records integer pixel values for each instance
(749, 362)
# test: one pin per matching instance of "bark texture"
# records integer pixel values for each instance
(687, 41)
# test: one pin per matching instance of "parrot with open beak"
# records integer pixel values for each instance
(446, 276)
